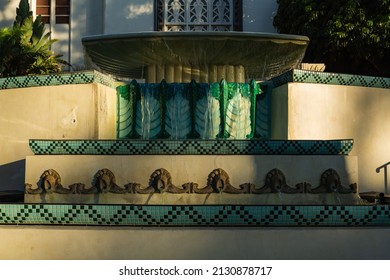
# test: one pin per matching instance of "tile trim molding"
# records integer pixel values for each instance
(303, 76)
(191, 147)
(295, 75)
(194, 215)
(71, 78)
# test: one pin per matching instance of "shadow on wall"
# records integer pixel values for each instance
(370, 129)
(7, 12)
(331, 181)
(12, 176)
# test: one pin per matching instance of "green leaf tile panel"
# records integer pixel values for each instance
(187, 110)
(195, 215)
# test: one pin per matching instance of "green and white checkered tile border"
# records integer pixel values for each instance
(303, 76)
(191, 147)
(71, 78)
(194, 215)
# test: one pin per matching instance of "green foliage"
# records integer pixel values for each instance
(25, 48)
(350, 36)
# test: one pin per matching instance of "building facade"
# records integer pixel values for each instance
(71, 20)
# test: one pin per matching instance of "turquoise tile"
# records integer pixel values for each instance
(193, 147)
(303, 76)
(196, 215)
(85, 77)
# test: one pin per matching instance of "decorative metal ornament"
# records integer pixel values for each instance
(160, 181)
(275, 182)
(104, 180)
(50, 182)
(331, 183)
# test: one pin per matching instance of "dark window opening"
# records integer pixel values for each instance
(43, 9)
(62, 11)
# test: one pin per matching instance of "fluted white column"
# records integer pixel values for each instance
(151, 74)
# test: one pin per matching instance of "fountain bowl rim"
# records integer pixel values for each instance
(127, 54)
(217, 35)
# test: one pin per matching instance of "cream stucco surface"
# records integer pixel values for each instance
(100, 243)
(7, 12)
(318, 111)
(85, 111)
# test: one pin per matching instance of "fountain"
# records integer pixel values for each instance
(201, 75)
(194, 147)
(194, 132)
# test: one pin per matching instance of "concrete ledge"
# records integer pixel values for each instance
(74, 111)
(324, 111)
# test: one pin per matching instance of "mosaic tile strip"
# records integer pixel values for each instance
(303, 76)
(191, 147)
(56, 79)
(195, 215)
(103, 79)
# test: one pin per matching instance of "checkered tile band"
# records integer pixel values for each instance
(56, 79)
(191, 147)
(302, 76)
(195, 215)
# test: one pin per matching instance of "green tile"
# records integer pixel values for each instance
(193, 147)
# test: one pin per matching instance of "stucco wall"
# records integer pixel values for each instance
(51, 112)
(45, 242)
(7, 12)
(317, 111)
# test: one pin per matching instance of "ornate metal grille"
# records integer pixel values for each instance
(198, 15)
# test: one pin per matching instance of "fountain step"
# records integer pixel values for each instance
(191, 179)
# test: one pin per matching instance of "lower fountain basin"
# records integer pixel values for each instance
(192, 172)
